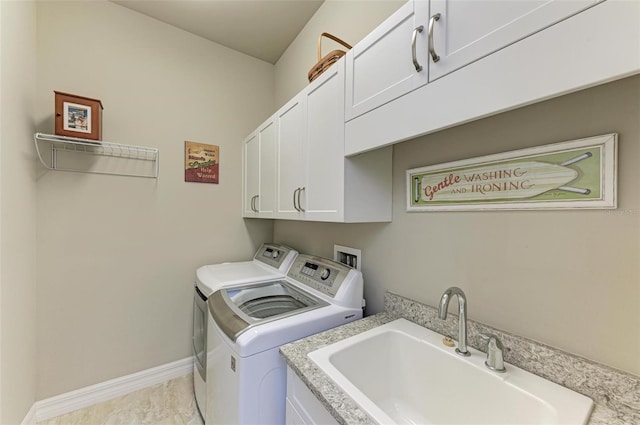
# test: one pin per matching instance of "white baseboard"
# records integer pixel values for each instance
(87, 396)
(30, 419)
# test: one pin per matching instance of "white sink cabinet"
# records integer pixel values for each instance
(302, 407)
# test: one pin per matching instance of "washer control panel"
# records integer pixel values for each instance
(272, 254)
(319, 273)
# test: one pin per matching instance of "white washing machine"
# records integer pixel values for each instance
(270, 262)
(246, 376)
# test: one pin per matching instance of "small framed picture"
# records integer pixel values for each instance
(78, 116)
(201, 162)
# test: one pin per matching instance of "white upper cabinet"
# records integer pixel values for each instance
(316, 181)
(267, 197)
(390, 61)
(259, 168)
(467, 30)
(427, 39)
(434, 64)
(301, 151)
(322, 196)
(498, 55)
(251, 169)
(291, 143)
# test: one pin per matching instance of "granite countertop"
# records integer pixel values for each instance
(347, 412)
(338, 403)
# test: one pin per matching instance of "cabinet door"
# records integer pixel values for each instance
(323, 195)
(266, 200)
(302, 407)
(251, 186)
(468, 30)
(291, 141)
(381, 67)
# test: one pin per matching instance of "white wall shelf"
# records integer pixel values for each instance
(133, 161)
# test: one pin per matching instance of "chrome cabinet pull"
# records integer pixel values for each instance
(413, 48)
(253, 203)
(294, 199)
(432, 50)
(299, 204)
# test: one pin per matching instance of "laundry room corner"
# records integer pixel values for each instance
(117, 254)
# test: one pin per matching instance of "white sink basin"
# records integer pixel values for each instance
(401, 373)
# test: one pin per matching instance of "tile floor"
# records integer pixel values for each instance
(169, 403)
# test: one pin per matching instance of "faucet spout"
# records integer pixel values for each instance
(462, 316)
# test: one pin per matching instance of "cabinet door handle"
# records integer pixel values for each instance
(294, 199)
(299, 204)
(432, 50)
(253, 203)
(413, 48)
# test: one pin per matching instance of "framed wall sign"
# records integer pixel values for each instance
(78, 116)
(201, 162)
(574, 174)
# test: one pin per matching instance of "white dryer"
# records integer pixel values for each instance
(246, 376)
(271, 261)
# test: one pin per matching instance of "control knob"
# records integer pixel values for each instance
(325, 274)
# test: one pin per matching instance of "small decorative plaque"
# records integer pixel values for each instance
(201, 162)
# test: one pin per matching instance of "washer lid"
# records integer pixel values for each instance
(237, 309)
(210, 278)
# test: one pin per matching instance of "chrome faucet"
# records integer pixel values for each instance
(462, 316)
(495, 349)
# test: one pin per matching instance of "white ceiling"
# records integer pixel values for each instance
(260, 28)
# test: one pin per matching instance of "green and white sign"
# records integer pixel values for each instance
(575, 174)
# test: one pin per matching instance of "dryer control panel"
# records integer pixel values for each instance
(319, 273)
(274, 254)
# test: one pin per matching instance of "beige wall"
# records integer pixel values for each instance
(570, 279)
(117, 255)
(349, 20)
(17, 211)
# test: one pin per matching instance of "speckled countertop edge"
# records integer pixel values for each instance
(338, 403)
(616, 394)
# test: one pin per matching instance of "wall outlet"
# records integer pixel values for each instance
(350, 256)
